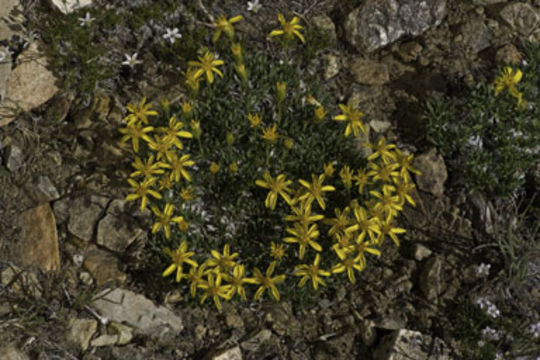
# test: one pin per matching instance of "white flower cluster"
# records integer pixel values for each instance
(490, 334)
(482, 270)
(490, 308)
(535, 330)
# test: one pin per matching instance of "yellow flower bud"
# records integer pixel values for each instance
(236, 50)
(230, 139)
(233, 167)
(241, 71)
(329, 170)
(319, 114)
(214, 167)
(281, 89)
(288, 143)
(186, 108)
(254, 120)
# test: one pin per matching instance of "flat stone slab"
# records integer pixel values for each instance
(125, 306)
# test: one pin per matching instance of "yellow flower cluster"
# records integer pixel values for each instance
(163, 168)
(359, 228)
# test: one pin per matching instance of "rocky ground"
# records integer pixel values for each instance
(73, 278)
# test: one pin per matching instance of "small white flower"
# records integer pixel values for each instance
(493, 311)
(87, 20)
(131, 61)
(483, 269)
(172, 35)
(3, 55)
(481, 343)
(483, 302)
(499, 356)
(535, 330)
(490, 334)
(254, 6)
(475, 141)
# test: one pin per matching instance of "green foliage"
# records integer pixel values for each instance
(486, 140)
(514, 339)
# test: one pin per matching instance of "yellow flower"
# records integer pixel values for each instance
(233, 167)
(385, 173)
(277, 251)
(215, 290)
(348, 264)
(388, 229)
(267, 281)
(278, 186)
(172, 134)
(316, 189)
(214, 167)
(319, 114)
(302, 214)
(362, 247)
(289, 29)
(339, 223)
(405, 163)
(178, 166)
(135, 131)
(254, 120)
(223, 25)
(164, 219)
(196, 277)
(303, 236)
(363, 223)
(186, 194)
(383, 150)
(186, 108)
(193, 78)
(361, 179)
(241, 71)
(388, 202)
(207, 65)
(270, 133)
(236, 50)
(288, 143)
(329, 169)
(147, 168)
(354, 119)
(223, 261)
(195, 128)
(161, 146)
(281, 91)
(403, 189)
(238, 279)
(142, 190)
(311, 272)
(179, 257)
(140, 112)
(346, 177)
(508, 80)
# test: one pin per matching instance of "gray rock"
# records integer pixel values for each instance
(487, 2)
(117, 233)
(11, 19)
(39, 245)
(393, 321)
(521, 17)
(5, 70)
(81, 331)
(369, 72)
(433, 170)
(41, 189)
(83, 216)
(255, 342)
(420, 252)
(430, 281)
(104, 268)
(124, 333)
(508, 54)
(31, 76)
(332, 66)
(69, 6)
(380, 126)
(377, 23)
(20, 281)
(324, 23)
(229, 354)
(104, 340)
(406, 344)
(122, 305)
(10, 352)
(368, 332)
(410, 51)
(14, 158)
(484, 214)
(476, 35)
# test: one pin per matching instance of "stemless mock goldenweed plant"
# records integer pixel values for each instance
(268, 179)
